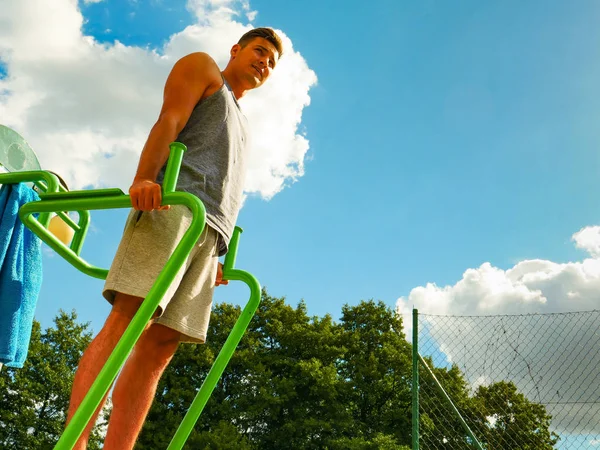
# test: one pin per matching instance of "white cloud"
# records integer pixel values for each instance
(588, 239)
(531, 286)
(86, 108)
(92, 1)
(552, 358)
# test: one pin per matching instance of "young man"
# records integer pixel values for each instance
(199, 109)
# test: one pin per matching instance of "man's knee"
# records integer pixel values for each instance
(159, 341)
(126, 305)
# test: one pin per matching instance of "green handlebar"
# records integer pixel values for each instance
(34, 176)
(229, 262)
(173, 166)
(213, 376)
(57, 200)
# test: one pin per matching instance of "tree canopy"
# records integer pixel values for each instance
(34, 400)
(295, 381)
(314, 383)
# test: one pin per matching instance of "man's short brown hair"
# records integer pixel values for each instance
(265, 33)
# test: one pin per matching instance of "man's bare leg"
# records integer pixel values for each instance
(95, 356)
(136, 386)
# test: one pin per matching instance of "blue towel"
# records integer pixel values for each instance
(20, 275)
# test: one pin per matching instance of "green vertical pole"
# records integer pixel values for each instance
(177, 150)
(229, 262)
(211, 380)
(415, 380)
(218, 367)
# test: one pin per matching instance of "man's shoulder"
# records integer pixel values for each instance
(200, 56)
(202, 65)
(200, 59)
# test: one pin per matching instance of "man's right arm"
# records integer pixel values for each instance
(187, 83)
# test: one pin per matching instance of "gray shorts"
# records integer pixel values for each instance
(149, 239)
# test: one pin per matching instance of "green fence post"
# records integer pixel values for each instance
(415, 381)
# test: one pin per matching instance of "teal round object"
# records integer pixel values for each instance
(15, 153)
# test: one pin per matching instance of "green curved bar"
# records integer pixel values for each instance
(117, 358)
(211, 380)
(93, 203)
(34, 176)
(56, 199)
(79, 237)
(48, 182)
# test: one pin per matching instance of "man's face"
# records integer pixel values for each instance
(255, 61)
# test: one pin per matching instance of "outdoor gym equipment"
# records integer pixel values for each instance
(16, 155)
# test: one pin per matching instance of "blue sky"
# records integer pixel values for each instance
(452, 161)
(441, 137)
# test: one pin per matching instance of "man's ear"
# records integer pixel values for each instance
(234, 50)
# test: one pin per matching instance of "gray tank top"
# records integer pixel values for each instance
(213, 166)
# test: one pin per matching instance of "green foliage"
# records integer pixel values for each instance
(295, 381)
(451, 434)
(379, 442)
(507, 417)
(223, 436)
(308, 382)
(34, 400)
(376, 371)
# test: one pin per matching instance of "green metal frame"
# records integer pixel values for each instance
(56, 199)
(418, 359)
(415, 381)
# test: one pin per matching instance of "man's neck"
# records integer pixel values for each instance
(234, 84)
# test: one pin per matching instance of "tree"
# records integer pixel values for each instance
(308, 382)
(439, 425)
(295, 381)
(34, 400)
(281, 385)
(379, 441)
(508, 419)
(499, 416)
(376, 372)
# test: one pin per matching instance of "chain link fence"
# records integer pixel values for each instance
(519, 382)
